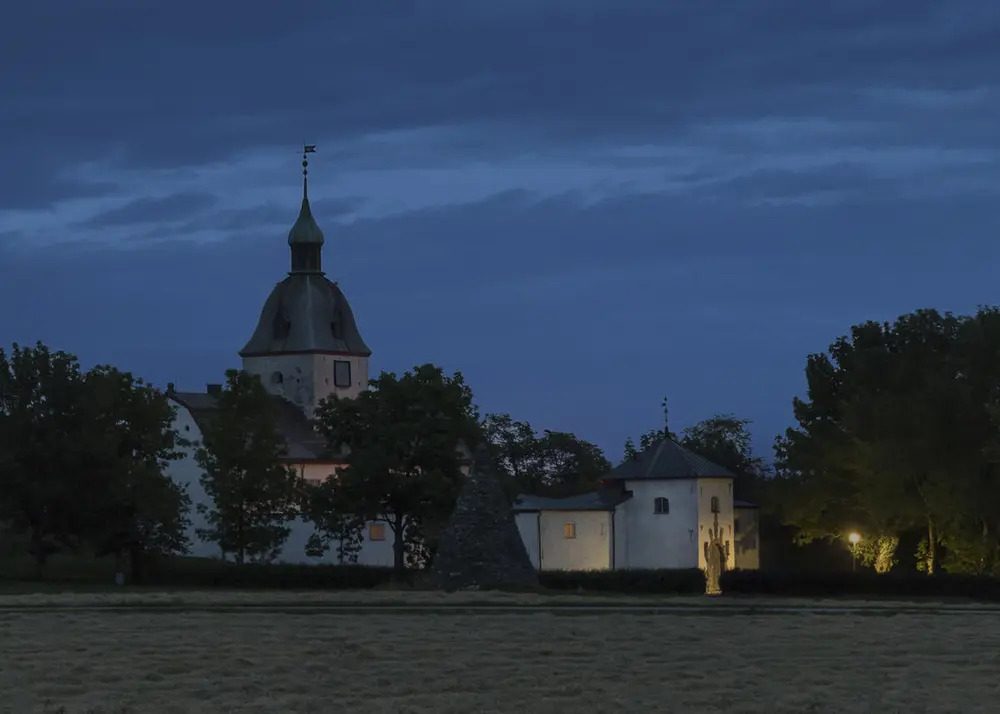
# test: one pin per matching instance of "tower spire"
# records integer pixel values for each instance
(306, 150)
(306, 239)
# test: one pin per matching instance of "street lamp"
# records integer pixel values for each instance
(854, 538)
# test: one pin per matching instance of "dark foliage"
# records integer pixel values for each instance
(690, 581)
(861, 584)
(218, 574)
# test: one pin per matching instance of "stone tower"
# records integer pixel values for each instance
(307, 345)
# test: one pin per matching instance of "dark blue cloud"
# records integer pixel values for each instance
(168, 209)
(192, 82)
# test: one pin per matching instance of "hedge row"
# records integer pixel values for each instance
(666, 582)
(195, 573)
(863, 584)
(206, 573)
(214, 574)
(186, 572)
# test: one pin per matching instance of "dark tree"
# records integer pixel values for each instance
(725, 440)
(554, 464)
(254, 495)
(43, 415)
(893, 434)
(514, 447)
(136, 510)
(404, 436)
(336, 526)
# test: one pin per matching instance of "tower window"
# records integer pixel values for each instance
(661, 505)
(335, 330)
(342, 373)
(569, 530)
(277, 378)
(715, 504)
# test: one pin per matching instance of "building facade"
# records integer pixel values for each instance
(306, 347)
(653, 511)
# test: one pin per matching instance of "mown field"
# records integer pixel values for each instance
(191, 650)
(190, 661)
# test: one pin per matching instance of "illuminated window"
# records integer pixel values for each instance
(342, 373)
(715, 504)
(376, 531)
(661, 505)
(569, 530)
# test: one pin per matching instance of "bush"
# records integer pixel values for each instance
(205, 573)
(863, 584)
(689, 581)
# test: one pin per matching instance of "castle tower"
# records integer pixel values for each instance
(307, 345)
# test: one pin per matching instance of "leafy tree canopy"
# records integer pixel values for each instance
(253, 493)
(554, 464)
(725, 439)
(43, 419)
(894, 433)
(135, 508)
(404, 436)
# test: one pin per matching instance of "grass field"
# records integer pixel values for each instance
(190, 662)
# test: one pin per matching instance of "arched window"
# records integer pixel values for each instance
(715, 504)
(661, 505)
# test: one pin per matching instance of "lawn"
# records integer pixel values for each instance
(191, 662)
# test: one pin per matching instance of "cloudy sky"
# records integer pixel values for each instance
(580, 204)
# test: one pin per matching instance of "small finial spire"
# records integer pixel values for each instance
(305, 238)
(306, 150)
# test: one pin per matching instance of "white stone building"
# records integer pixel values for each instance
(654, 511)
(306, 346)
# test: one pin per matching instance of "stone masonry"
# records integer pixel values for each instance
(481, 546)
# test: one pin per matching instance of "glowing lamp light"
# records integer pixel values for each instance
(855, 538)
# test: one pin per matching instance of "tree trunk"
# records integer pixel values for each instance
(241, 550)
(398, 549)
(120, 558)
(986, 562)
(137, 565)
(931, 550)
(39, 552)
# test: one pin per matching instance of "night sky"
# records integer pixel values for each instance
(582, 205)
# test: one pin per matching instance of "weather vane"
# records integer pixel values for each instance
(306, 150)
